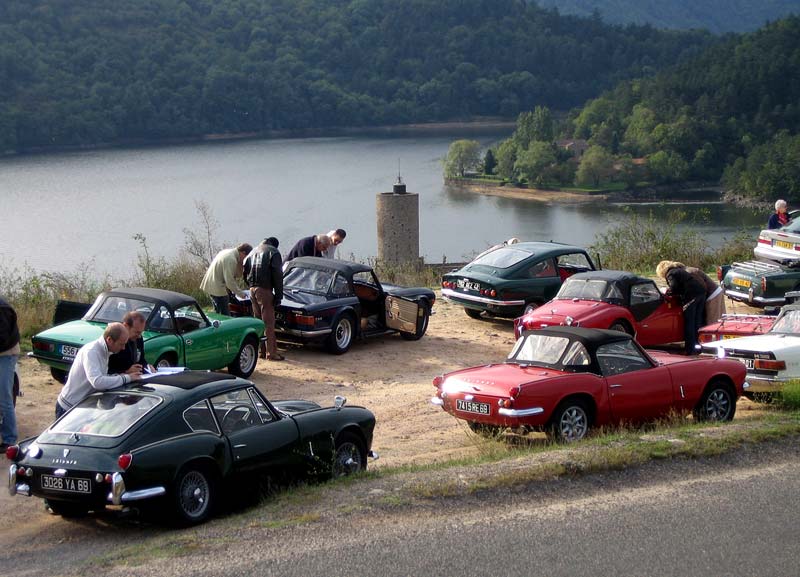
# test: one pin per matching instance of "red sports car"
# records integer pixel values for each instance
(566, 380)
(610, 299)
(732, 326)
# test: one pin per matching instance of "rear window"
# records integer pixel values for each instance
(113, 308)
(106, 414)
(588, 289)
(535, 348)
(309, 279)
(503, 257)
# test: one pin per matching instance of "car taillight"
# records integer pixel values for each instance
(505, 403)
(42, 346)
(705, 337)
(763, 240)
(307, 320)
(514, 392)
(769, 365)
(12, 451)
(437, 381)
(124, 461)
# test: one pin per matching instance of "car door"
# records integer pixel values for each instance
(637, 390)
(203, 343)
(536, 281)
(402, 314)
(656, 318)
(259, 439)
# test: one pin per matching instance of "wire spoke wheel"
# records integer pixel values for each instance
(194, 492)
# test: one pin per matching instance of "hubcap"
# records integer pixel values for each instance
(718, 405)
(573, 424)
(348, 460)
(193, 494)
(162, 363)
(343, 333)
(247, 358)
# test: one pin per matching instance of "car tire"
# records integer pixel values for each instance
(59, 375)
(349, 456)
(570, 422)
(472, 313)
(66, 509)
(620, 326)
(484, 430)
(718, 403)
(341, 337)
(245, 361)
(193, 495)
(164, 361)
(422, 325)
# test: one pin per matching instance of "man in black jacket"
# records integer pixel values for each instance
(264, 275)
(9, 351)
(310, 246)
(131, 358)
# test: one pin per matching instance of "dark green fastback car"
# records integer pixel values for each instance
(510, 280)
(178, 333)
(760, 283)
(174, 442)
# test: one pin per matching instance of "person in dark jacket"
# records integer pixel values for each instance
(691, 293)
(264, 275)
(780, 217)
(9, 351)
(310, 246)
(131, 358)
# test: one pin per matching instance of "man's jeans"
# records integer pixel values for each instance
(9, 426)
(221, 305)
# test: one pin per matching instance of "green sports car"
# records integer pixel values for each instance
(178, 333)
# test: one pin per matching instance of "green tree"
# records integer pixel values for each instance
(506, 158)
(596, 166)
(536, 126)
(535, 164)
(462, 156)
(639, 133)
(489, 162)
(667, 166)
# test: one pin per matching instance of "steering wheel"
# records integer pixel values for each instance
(236, 418)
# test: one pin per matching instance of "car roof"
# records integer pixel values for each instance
(621, 278)
(591, 338)
(171, 298)
(319, 263)
(541, 247)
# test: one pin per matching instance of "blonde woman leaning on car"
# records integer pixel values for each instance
(715, 298)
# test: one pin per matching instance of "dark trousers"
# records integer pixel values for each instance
(221, 305)
(692, 321)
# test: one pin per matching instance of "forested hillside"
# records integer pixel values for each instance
(97, 71)
(715, 15)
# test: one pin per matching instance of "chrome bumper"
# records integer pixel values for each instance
(760, 384)
(437, 401)
(305, 334)
(15, 488)
(451, 295)
(521, 412)
(119, 495)
(746, 297)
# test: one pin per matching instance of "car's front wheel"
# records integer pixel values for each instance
(193, 495)
(422, 324)
(620, 326)
(341, 336)
(165, 361)
(571, 421)
(718, 403)
(350, 455)
(245, 361)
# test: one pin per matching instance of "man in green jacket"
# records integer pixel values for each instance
(221, 277)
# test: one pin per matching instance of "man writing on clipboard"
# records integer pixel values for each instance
(131, 359)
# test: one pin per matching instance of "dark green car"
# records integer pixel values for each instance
(173, 443)
(178, 333)
(511, 279)
(760, 283)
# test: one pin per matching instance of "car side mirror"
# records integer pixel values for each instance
(339, 401)
(215, 323)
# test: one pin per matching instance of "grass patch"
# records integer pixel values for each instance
(152, 549)
(790, 395)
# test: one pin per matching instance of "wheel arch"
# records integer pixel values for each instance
(587, 398)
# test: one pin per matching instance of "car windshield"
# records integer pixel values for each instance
(503, 257)
(788, 323)
(590, 289)
(308, 279)
(539, 349)
(106, 414)
(113, 307)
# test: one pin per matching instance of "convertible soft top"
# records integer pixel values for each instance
(171, 298)
(623, 280)
(591, 338)
(344, 266)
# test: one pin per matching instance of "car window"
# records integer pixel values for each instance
(365, 277)
(787, 323)
(583, 289)
(793, 226)
(189, 318)
(106, 414)
(263, 411)
(235, 411)
(503, 257)
(542, 269)
(620, 357)
(308, 279)
(341, 287)
(161, 321)
(646, 292)
(574, 260)
(200, 418)
(113, 308)
(535, 348)
(577, 355)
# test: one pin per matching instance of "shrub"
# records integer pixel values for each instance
(790, 395)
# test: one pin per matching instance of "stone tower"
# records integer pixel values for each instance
(398, 225)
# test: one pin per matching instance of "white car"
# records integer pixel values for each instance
(780, 244)
(772, 358)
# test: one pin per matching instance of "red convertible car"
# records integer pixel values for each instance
(610, 299)
(566, 380)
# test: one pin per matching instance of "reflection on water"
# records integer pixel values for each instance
(70, 208)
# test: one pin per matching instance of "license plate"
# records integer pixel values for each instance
(66, 484)
(741, 282)
(468, 285)
(747, 363)
(730, 336)
(68, 352)
(472, 407)
(784, 244)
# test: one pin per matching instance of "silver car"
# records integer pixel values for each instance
(781, 243)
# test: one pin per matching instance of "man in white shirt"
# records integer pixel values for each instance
(337, 237)
(221, 277)
(89, 372)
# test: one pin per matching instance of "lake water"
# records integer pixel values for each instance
(66, 210)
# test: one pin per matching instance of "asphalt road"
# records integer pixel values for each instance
(737, 514)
